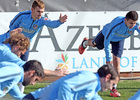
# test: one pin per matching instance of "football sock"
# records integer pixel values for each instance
(85, 44)
(114, 86)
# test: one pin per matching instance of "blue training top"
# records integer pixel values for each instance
(29, 26)
(7, 55)
(115, 31)
(10, 75)
(81, 85)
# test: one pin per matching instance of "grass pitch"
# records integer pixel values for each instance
(127, 88)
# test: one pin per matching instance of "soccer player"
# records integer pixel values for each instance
(12, 48)
(11, 74)
(32, 21)
(81, 85)
(136, 96)
(114, 33)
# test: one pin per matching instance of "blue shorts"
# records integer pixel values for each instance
(117, 47)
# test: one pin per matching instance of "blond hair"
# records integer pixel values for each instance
(18, 39)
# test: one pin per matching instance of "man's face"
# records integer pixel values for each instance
(30, 79)
(106, 83)
(15, 50)
(37, 12)
(130, 23)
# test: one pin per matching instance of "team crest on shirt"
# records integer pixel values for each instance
(129, 32)
(45, 18)
(139, 27)
(5, 89)
(35, 26)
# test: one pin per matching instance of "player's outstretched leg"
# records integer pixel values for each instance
(81, 47)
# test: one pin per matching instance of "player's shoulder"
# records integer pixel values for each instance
(12, 65)
(3, 46)
(119, 18)
(28, 12)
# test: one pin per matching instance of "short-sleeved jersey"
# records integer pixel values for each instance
(81, 85)
(7, 55)
(10, 75)
(115, 31)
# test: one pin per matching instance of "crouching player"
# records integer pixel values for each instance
(81, 85)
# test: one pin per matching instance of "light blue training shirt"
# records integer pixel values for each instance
(115, 31)
(10, 75)
(7, 55)
(81, 85)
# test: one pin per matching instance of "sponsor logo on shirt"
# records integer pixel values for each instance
(27, 31)
(35, 26)
(45, 18)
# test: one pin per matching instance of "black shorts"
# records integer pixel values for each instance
(117, 47)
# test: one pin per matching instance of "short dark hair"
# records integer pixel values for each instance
(107, 69)
(34, 65)
(132, 15)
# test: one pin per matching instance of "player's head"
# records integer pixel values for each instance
(108, 76)
(19, 43)
(33, 72)
(131, 19)
(38, 8)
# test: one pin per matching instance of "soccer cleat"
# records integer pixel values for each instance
(114, 93)
(81, 48)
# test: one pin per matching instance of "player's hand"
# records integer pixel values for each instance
(63, 19)
(61, 72)
(17, 30)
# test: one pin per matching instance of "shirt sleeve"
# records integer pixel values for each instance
(15, 93)
(138, 27)
(110, 31)
(11, 57)
(4, 36)
(16, 21)
(52, 24)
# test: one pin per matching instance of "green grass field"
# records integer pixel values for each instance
(127, 88)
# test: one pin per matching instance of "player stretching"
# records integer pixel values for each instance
(114, 33)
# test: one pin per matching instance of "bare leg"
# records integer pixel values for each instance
(116, 64)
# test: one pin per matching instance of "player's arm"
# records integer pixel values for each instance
(54, 23)
(56, 72)
(16, 21)
(16, 93)
(111, 29)
(138, 27)
(11, 57)
(4, 36)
